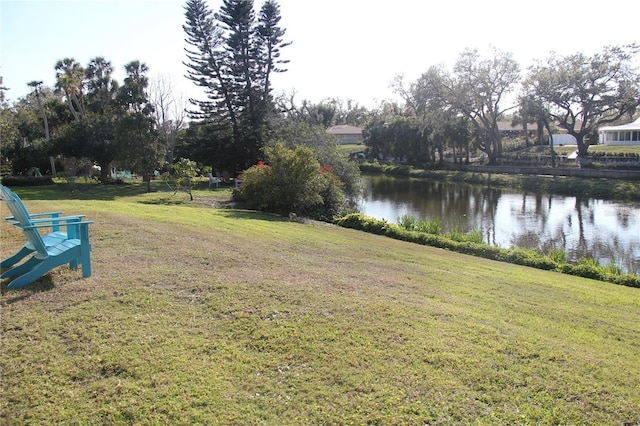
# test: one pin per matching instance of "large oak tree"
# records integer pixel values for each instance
(476, 89)
(582, 93)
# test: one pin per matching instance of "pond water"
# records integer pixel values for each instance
(606, 231)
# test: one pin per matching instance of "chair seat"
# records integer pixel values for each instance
(62, 246)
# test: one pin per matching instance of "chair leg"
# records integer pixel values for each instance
(21, 269)
(10, 261)
(73, 265)
(30, 276)
(86, 264)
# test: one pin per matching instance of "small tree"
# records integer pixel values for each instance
(182, 177)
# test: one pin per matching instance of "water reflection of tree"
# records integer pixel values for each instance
(528, 239)
(543, 243)
(624, 215)
(539, 213)
(582, 241)
(486, 207)
(536, 222)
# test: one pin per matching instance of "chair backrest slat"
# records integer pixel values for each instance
(21, 215)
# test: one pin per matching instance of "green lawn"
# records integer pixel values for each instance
(197, 314)
(347, 149)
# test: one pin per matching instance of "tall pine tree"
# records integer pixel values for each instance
(270, 36)
(232, 56)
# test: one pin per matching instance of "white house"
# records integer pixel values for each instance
(346, 134)
(626, 134)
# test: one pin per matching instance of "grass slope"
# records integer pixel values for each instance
(199, 315)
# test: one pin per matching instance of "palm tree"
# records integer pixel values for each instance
(101, 88)
(70, 79)
(36, 89)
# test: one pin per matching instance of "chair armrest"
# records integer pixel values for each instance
(53, 220)
(42, 225)
(75, 230)
(37, 215)
(59, 219)
(52, 214)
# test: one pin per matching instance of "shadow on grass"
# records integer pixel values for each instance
(254, 215)
(92, 190)
(44, 283)
(166, 200)
(83, 191)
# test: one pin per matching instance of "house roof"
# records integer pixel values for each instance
(345, 129)
(629, 126)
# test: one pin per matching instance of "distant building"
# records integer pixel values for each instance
(560, 136)
(509, 130)
(625, 134)
(347, 134)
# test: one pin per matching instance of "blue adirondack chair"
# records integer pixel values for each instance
(52, 238)
(75, 249)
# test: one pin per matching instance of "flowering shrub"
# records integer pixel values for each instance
(292, 181)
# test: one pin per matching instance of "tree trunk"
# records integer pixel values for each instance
(71, 108)
(104, 173)
(541, 127)
(79, 105)
(493, 148)
(492, 157)
(582, 150)
(547, 125)
(44, 115)
(147, 179)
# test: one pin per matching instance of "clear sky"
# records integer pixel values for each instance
(350, 49)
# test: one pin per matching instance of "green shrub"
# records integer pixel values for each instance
(428, 226)
(613, 269)
(371, 167)
(528, 257)
(395, 169)
(432, 226)
(408, 222)
(333, 197)
(292, 181)
(474, 236)
(375, 226)
(627, 280)
(557, 255)
(351, 220)
(257, 186)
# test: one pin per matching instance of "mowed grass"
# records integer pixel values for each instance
(202, 315)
